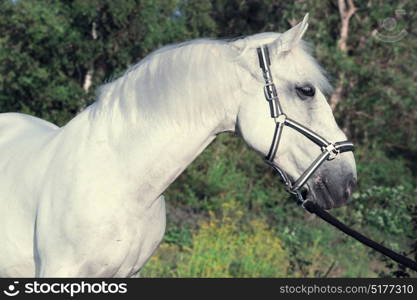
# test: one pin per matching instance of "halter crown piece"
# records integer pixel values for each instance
(329, 150)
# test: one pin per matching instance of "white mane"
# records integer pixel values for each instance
(180, 79)
(187, 79)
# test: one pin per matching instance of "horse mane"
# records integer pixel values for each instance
(175, 79)
(178, 79)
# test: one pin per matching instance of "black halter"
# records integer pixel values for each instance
(329, 152)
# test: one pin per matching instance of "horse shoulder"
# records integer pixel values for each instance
(21, 139)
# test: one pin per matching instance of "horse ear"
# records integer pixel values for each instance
(290, 38)
(238, 45)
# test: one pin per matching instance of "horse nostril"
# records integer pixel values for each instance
(304, 193)
(350, 186)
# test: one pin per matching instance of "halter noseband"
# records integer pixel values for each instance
(329, 150)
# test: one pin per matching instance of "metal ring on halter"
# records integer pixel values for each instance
(281, 119)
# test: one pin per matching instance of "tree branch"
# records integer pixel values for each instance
(346, 10)
(88, 79)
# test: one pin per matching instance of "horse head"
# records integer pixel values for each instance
(280, 68)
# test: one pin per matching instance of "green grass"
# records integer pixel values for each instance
(230, 245)
(225, 245)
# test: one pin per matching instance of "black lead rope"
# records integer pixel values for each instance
(329, 152)
(317, 210)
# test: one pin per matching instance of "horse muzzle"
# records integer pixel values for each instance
(330, 190)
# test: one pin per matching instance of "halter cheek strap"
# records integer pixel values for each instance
(329, 150)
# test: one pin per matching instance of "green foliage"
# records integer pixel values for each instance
(224, 246)
(378, 105)
(318, 250)
(48, 47)
(377, 168)
(35, 39)
(385, 207)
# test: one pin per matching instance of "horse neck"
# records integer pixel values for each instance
(147, 152)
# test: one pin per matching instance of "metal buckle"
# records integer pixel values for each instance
(270, 91)
(332, 150)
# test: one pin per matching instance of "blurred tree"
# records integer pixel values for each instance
(197, 17)
(53, 53)
(37, 73)
(368, 47)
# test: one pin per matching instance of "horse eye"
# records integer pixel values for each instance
(305, 91)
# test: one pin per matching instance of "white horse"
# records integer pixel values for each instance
(85, 200)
